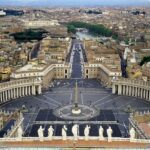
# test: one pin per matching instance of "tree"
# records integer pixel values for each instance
(97, 29)
(145, 60)
(71, 29)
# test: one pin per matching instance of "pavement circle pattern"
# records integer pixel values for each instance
(87, 112)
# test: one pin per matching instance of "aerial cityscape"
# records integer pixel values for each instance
(74, 75)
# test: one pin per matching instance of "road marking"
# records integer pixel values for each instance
(71, 98)
(93, 93)
(42, 100)
(53, 100)
(127, 103)
(100, 99)
(110, 100)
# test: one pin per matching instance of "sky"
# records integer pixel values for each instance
(74, 2)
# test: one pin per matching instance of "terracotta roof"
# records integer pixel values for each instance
(146, 128)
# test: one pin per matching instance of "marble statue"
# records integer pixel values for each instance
(40, 133)
(109, 134)
(64, 133)
(101, 133)
(133, 59)
(50, 133)
(20, 133)
(132, 134)
(75, 131)
(126, 51)
(87, 132)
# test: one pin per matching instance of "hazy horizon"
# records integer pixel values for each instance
(49, 3)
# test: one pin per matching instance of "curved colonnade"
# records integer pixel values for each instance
(130, 87)
(19, 88)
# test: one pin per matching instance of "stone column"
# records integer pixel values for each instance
(130, 90)
(17, 95)
(124, 89)
(144, 93)
(29, 90)
(26, 92)
(136, 91)
(113, 88)
(141, 93)
(147, 94)
(9, 96)
(3, 96)
(119, 89)
(33, 90)
(22, 91)
(0, 97)
(127, 89)
(133, 91)
(6, 98)
(14, 92)
(19, 91)
(39, 89)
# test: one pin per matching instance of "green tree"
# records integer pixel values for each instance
(145, 60)
(71, 29)
(97, 29)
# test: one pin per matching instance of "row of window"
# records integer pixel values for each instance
(87, 71)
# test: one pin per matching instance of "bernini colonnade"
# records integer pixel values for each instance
(19, 88)
(130, 87)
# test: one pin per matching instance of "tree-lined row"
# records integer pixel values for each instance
(97, 29)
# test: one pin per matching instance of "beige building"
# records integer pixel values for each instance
(103, 73)
(55, 49)
(40, 23)
(47, 72)
(103, 62)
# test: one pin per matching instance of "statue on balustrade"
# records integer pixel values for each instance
(109, 134)
(87, 132)
(20, 133)
(101, 133)
(50, 133)
(75, 131)
(40, 133)
(64, 133)
(132, 134)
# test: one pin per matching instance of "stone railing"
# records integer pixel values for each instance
(12, 131)
(114, 139)
(135, 125)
